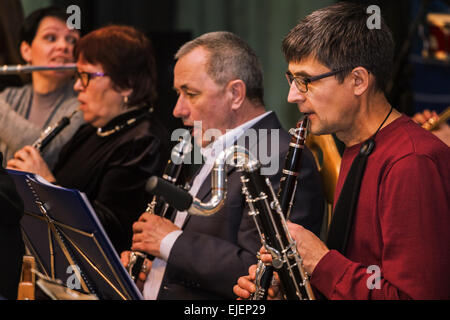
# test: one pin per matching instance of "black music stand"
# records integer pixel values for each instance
(63, 233)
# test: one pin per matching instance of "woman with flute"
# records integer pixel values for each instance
(25, 112)
(122, 143)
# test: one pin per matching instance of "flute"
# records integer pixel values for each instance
(17, 69)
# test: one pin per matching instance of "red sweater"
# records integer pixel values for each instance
(401, 224)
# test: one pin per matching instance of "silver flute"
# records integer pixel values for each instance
(19, 68)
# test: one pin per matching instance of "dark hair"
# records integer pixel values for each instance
(230, 58)
(32, 21)
(126, 55)
(338, 37)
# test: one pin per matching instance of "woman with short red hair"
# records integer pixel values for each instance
(123, 143)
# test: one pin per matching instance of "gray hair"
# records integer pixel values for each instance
(230, 58)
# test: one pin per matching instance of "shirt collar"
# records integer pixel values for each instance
(211, 151)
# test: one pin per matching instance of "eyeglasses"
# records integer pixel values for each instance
(85, 77)
(302, 82)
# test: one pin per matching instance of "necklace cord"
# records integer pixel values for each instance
(369, 144)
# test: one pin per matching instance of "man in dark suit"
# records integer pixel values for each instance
(218, 79)
(11, 243)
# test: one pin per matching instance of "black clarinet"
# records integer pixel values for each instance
(159, 205)
(52, 131)
(286, 195)
(292, 167)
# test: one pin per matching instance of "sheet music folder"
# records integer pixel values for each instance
(63, 233)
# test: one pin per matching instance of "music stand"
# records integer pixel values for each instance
(63, 233)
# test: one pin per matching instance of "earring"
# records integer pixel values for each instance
(125, 100)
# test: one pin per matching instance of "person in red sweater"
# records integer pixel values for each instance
(398, 243)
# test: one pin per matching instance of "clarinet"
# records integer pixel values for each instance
(158, 205)
(286, 195)
(264, 207)
(52, 131)
(292, 167)
(270, 218)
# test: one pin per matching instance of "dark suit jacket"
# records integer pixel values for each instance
(11, 243)
(213, 252)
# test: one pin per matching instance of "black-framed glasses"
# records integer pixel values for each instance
(302, 82)
(85, 77)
